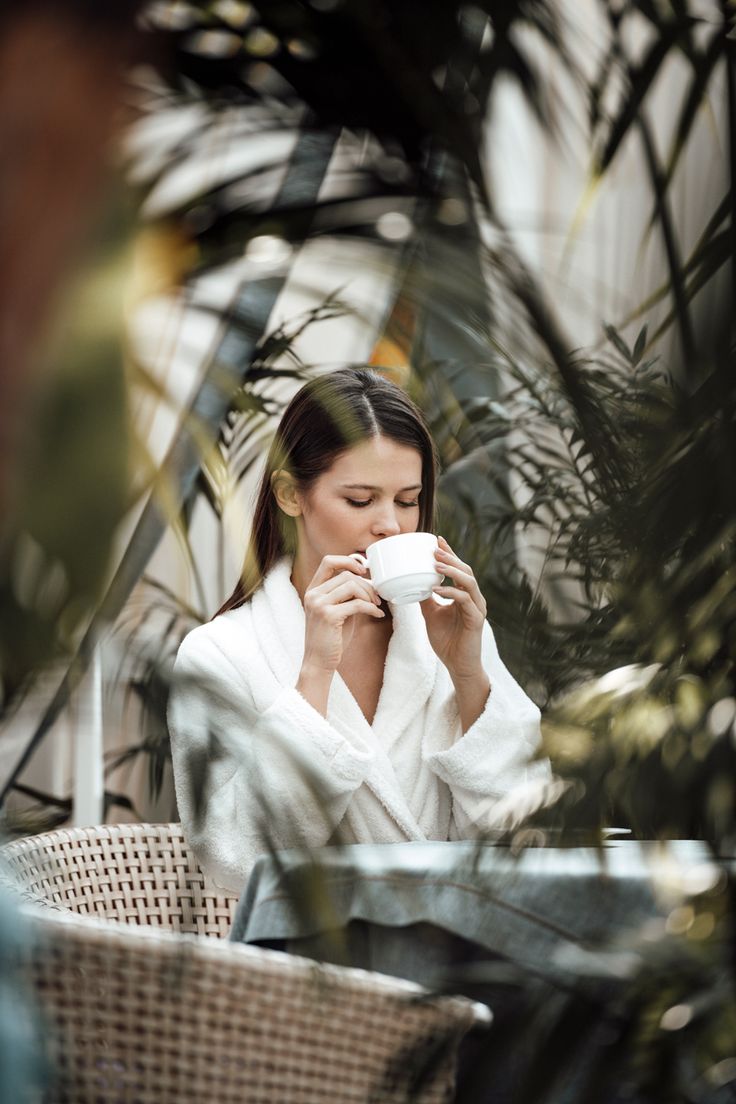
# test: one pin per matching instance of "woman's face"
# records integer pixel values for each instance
(370, 492)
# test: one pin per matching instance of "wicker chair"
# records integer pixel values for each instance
(144, 1005)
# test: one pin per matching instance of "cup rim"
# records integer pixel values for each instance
(397, 536)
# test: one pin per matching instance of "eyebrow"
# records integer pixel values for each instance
(371, 487)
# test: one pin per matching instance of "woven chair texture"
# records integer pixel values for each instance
(142, 1007)
(137, 873)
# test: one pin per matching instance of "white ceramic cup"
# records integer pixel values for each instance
(402, 567)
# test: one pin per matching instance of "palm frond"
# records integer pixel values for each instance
(228, 365)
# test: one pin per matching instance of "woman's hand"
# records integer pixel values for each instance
(455, 632)
(336, 593)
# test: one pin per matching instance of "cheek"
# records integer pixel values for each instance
(338, 515)
(340, 511)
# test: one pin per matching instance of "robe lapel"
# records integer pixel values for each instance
(408, 678)
(278, 623)
(347, 717)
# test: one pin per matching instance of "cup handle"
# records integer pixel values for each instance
(363, 560)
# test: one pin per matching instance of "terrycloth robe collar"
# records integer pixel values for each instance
(409, 676)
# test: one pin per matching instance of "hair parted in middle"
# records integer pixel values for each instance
(327, 416)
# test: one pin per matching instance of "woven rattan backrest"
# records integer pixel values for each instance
(136, 1014)
(137, 873)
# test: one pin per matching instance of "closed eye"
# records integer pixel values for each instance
(361, 503)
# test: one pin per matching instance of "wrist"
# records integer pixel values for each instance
(471, 694)
(315, 673)
(476, 677)
(314, 684)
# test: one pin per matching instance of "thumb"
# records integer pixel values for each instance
(430, 607)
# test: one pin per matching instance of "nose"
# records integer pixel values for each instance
(386, 524)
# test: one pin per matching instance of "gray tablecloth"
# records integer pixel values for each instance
(502, 928)
(527, 908)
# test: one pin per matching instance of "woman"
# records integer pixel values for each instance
(307, 711)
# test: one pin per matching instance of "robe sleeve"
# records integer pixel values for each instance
(490, 770)
(245, 780)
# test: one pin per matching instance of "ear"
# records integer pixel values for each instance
(286, 493)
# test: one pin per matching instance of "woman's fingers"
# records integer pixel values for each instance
(333, 565)
(446, 555)
(341, 589)
(344, 577)
(342, 610)
(356, 587)
(461, 575)
(464, 581)
(465, 601)
(465, 587)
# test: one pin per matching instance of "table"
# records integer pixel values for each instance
(437, 911)
(527, 908)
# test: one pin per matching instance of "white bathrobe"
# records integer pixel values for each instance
(256, 766)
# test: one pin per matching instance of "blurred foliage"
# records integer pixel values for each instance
(56, 541)
(23, 1069)
(651, 1018)
(65, 224)
(635, 516)
(409, 79)
(563, 504)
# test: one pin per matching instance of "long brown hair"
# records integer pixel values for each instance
(327, 416)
